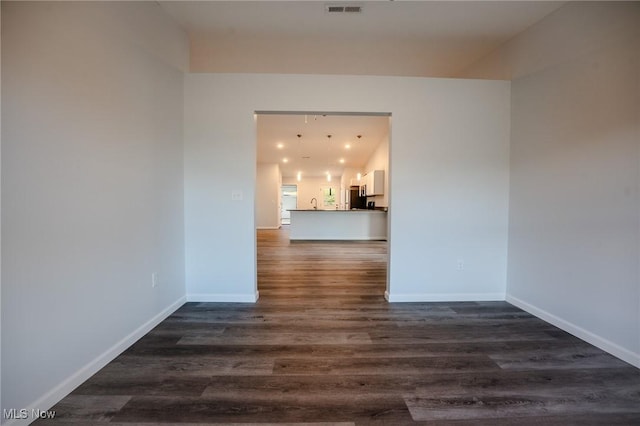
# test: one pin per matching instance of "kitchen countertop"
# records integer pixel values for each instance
(344, 211)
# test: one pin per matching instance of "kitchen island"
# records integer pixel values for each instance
(338, 225)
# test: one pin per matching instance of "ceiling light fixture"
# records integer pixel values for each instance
(342, 161)
(280, 145)
(285, 160)
(347, 146)
(299, 135)
(328, 157)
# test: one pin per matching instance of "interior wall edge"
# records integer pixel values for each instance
(571, 328)
(49, 399)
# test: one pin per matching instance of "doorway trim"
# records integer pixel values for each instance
(257, 113)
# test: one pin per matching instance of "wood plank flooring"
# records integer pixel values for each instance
(323, 347)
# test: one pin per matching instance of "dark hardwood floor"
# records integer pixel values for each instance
(323, 347)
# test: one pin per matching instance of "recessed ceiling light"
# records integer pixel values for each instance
(285, 160)
(342, 161)
(347, 146)
(280, 145)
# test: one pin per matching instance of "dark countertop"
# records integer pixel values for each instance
(343, 211)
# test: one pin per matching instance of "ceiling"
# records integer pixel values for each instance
(314, 153)
(425, 38)
(420, 38)
(426, 20)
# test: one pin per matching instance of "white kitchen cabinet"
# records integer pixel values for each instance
(373, 183)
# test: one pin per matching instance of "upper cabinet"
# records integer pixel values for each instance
(373, 183)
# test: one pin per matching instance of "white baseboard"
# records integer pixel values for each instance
(223, 298)
(52, 397)
(443, 297)
(598, 341)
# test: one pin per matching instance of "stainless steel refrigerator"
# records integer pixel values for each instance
(355, 200)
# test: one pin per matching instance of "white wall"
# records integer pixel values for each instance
(311, 187)
(231, 53)
(574, 207)
(350, 173)
(379, 160)
(268, 185)
(449, 190)
(92, 188)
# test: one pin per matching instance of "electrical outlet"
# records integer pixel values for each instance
(236, 195)
(154, 280)
(460, 265)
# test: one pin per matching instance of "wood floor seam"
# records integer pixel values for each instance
(322, 347)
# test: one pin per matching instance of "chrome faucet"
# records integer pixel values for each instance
(315, 207)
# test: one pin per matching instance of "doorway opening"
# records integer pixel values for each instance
(315, 162)
(289, 201)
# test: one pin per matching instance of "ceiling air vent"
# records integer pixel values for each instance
(337, 8)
